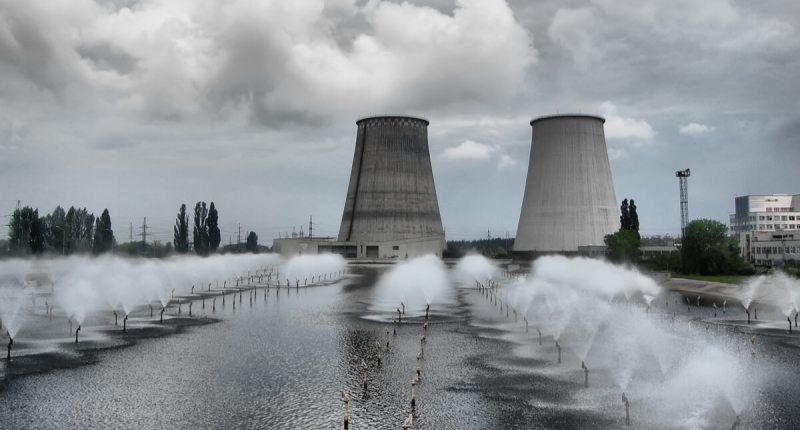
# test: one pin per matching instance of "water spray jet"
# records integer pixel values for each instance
(627, 410)
(558, 347)
(10, 344)
(76, 334)
(161, 320)
(125, 324)
(585, 375)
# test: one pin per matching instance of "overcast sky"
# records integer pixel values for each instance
(139, 106)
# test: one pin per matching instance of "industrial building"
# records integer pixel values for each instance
(569, 199)
(391, 209)
(768, 228)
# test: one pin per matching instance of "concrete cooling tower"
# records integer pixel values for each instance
(569, 197)
(391, 210)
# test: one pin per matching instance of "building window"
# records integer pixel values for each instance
(395, 248)
(791, 218)
(761, 217)
(783, 218)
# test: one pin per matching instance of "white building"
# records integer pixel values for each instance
(768, 228)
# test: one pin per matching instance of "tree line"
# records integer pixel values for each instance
(63, 232)
(705, 248)
(78, 231)
(206, 235)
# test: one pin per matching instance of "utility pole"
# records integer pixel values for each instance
(144, 231)
(683, 179)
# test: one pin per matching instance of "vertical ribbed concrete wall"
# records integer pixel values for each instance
(391, 195)
(569, 194)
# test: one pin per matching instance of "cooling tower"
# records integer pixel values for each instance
(569, 194)
(391, 206)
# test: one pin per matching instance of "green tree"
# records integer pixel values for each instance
(103, 234)
(69, 227)
(26, 232)
(623, 246)
(252, 243)
(633, 218)
(212, 223)
(181, 231)
(624, 217)
(55, 225)
(706, 249)
(200, 232)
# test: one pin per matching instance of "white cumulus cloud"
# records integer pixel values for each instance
(620, 127)
(695, 129)
(475, 151)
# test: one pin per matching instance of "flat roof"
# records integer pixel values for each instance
(569, 115)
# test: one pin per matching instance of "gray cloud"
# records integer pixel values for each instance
(253, 103)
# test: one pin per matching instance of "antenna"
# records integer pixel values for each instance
(683, 183)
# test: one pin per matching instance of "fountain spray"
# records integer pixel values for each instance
(76, 334)
(151, 310)
(427, 308)
(162, 315)
(795, 318)
(558, 347)
(585, 375)
(748, 315)
(125, 324)
(10, 344)
(115, 319)
(736, 423)
(540, 336)
(627, 410)
(399, 315)
(790, 324)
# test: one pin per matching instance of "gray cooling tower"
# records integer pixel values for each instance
(391, 196)
(569, 194)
